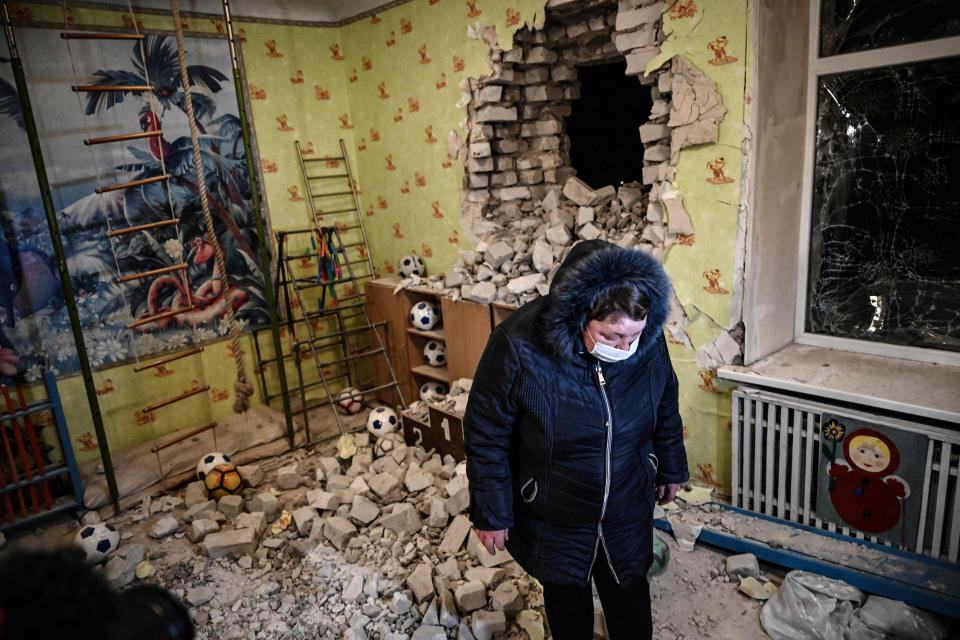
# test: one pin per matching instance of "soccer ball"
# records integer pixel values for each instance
(350, 400)
(410, 265)
(223, 480)
(387, 443)
(435, 353)
(96, 541)
(209, 461)
(432, 391)
(424, 316)
(382, 420)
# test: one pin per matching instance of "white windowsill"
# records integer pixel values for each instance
(918, 389)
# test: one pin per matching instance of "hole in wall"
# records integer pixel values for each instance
(603, 125)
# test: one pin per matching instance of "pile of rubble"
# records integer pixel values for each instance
(517, 261)
(377, 546)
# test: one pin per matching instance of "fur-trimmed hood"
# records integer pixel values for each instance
(590, 269)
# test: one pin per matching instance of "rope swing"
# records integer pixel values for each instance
(242, 389)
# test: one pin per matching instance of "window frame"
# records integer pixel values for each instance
(816, 67)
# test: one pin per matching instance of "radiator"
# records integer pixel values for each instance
(776, 441)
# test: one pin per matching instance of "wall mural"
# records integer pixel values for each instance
(35, 329)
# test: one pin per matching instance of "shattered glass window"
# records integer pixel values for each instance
(885, 226)
(858, 25)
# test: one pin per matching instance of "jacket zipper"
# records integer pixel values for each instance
(606, 478)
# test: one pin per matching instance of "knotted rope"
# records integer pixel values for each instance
(242, 389)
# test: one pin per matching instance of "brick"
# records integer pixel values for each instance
(455, 535)
(252, 474)
(486, 624)
(542, 93)
(652, 132)
(238, 542)
(514, 193)
(267, 503)
(490, 93)
(255, 521)
(638, 60)
(196, 494)
(338, 531)
(324, 500)
(458, 502)
(403, 518)
(305, 518)
(632, 19)
(288, 477)
(385, 486)
(645, 36)
(196, 509)
(363, 510)
(201, 528)
(480, 149)
(540, 55)
(507, 598)
(230, 506)
(420, 582)
(470, 596)
(493, 113)
(657, 153)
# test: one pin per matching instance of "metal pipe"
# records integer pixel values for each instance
(63, 272)
(258, 215)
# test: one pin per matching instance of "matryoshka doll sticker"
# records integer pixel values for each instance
(864, 490)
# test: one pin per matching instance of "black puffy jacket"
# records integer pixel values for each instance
(565, 450)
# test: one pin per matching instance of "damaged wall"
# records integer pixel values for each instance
(525, 211)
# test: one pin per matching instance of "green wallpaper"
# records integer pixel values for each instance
(712, 34)
(388, 85)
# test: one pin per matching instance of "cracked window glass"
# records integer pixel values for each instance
(885, 224)
(847, 26)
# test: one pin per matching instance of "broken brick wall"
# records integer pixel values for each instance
(523, 207)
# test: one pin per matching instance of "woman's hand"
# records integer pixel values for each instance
(491, 539)
(667, 492)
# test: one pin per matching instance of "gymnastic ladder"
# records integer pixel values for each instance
(337, 278)
(145, 414)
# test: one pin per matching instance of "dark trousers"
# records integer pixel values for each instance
(626, 608)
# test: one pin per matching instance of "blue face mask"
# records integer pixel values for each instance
(612, 354)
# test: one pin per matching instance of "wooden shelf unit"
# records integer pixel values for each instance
(464, 329)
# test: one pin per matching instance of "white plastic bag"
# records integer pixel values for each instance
(810, 607)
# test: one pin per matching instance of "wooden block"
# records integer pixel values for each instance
(447, 432)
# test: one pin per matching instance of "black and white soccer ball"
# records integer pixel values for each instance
(435, 353)
(424, 316)
(432, 391)
(96, 541)
(410, 265)
(387, 443)
(209, 461)
(382, 420)
(350, 400)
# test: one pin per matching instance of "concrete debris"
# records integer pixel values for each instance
(743, 565)
(470, 596)
(164, 527)
(696, 109)
(252, 474)
(231, 506)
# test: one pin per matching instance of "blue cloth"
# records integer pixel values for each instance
(535, 431)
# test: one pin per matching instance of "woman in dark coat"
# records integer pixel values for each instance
(572, 432)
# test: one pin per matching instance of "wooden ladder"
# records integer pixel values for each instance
(119, 234)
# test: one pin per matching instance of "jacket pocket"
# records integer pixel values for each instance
(528, 490)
